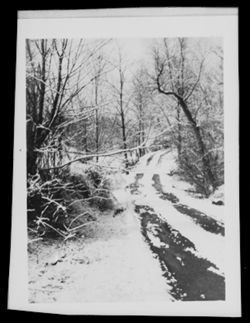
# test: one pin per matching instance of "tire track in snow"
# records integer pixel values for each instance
(161, 156)
(207, 223)
(191, 277)
(150, 159)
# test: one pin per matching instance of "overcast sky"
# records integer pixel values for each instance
(138, 51)
(135, 49)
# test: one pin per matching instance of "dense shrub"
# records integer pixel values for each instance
(100, 189)
(191, 170)
(55, 204)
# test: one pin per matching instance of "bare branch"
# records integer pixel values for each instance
(197, 81)
(97, 155)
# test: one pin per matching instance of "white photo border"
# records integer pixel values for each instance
(224, 26)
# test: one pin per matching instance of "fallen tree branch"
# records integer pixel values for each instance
(96, 155)
(80, 226)
(51, 227)
(77, 217)
(33, 240)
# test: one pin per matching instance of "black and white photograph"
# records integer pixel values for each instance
(123, 144)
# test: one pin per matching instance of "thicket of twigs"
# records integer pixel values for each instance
(190, 169)
(63, 205)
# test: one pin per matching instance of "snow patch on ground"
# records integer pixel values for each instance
(216, 271)
(152, 235)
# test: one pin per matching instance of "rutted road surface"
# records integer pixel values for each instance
(191, 275)
(206, 222)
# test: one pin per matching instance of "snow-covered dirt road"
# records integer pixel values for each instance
(166, 245)
(186, 234)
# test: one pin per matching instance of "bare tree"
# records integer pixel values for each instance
(121, 104)
(98, 69)
(176, 79)
(57, 73)
(141, 102)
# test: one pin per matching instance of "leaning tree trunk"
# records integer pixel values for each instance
(96, 119)
(179, 137)
(204, 155)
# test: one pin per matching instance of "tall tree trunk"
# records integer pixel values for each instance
(140, 137)
(123, 125)
(43, 78)
(96, 119)
(141, 130)
(31, 161)
(85, 140)
(179, 136)
(124, 138)
(96, 134)
(203, 151)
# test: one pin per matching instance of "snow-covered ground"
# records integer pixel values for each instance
(124, 269)
(112, 261)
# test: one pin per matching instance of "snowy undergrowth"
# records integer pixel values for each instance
(110, 262)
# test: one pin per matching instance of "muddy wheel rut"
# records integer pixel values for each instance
(191, 278)
(207, 223)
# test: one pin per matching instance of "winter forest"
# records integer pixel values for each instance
(125, 169)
